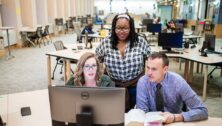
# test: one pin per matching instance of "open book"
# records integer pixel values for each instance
(143, 119)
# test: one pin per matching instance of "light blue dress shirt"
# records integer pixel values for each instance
(175, 92)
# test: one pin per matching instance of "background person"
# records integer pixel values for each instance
(88, 73)
(88, 29)
(174, 89)
(124, 54)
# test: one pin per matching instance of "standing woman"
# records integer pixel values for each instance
(124, 54)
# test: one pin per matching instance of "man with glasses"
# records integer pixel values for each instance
(124, 54)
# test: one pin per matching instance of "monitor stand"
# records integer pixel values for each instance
(85, 118)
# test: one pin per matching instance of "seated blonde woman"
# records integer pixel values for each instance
(88, 73)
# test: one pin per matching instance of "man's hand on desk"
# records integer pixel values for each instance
(170, 117)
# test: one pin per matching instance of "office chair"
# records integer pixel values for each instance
(26, 40)
(46, 35)
(59, 24)
(69, 26)
(59, 61)
(77, 30)
(39, 36)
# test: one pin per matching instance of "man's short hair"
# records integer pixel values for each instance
(160, 55)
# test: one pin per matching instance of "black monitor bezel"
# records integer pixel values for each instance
(64, 91)
(174, 43)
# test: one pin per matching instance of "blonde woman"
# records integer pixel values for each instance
(88, 73)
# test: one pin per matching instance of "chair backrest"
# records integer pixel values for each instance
(59, 45)
(69, 24)
(59, 21)
(39, 32)
(77, 29)
(23, 35)
(46, 30)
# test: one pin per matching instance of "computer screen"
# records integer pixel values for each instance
(147, 21)
(210, 39)
(107, 104)
(170, 40)
(154, 28)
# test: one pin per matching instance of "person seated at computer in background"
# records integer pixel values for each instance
(88, 29)
(88, 73)
(175, 91)
(157, 20)
(124, 53)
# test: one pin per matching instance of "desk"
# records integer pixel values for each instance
(37, 100)
(209, 122)
(9, 51)
(67, 55)
(94, 36)
(192, 37)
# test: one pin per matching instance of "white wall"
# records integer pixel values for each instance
(9, 13)
(60, 9)
(134, 7)
(28, 13)
(52, 13)
(67, 8)
(42, 12)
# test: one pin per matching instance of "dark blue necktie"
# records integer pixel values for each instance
(159, 98)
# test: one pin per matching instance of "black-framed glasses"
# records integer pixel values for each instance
(88, 67)
(118, 29)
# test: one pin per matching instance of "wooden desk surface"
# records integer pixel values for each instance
(209, 122)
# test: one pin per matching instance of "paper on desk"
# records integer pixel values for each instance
(137, 115)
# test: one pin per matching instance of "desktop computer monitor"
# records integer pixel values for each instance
(154, 28)
(210, 39)
(170, 40)
(107, 104)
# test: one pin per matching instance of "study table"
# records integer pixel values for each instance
(211, 121)
(67, 55)
(189, 55)
(95, 36)
(39, 103)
